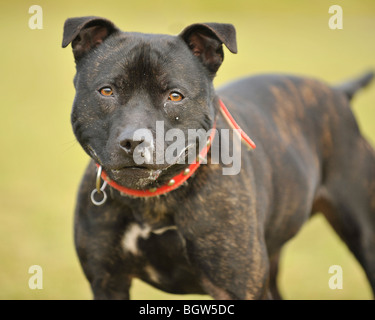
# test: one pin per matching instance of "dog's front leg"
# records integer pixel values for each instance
(229, 271)
(228, 253)
(106, 266)
(98, 234)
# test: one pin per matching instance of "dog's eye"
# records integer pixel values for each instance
(175, 96)
(106, 91)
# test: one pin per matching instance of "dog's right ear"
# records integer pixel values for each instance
(86, 33)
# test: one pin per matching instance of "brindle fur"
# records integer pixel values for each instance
(228, 231)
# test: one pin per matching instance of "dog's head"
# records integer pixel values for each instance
(130, 84)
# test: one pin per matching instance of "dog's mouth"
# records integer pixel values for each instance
(135, 177)
(147, 175)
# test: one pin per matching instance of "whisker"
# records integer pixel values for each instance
(70, 144)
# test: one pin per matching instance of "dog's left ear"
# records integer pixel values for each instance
(205, 41)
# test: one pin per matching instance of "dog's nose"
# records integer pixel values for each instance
(137, 144)
(127, 143)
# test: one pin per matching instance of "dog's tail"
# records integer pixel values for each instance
(351, 87)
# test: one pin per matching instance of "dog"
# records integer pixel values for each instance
(206, 232)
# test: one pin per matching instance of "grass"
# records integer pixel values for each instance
(42, 164)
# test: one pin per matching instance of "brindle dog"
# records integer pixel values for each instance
(217, 234)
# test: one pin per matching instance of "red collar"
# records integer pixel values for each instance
(179, 179)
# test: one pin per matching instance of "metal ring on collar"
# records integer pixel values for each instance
(93, 192)
(98, 189)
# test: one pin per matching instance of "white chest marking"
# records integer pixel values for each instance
(131, 236)
(164, 229)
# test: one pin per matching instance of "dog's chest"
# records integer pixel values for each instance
(152, 239)
(135, 233)
(153, 213)
(151, 217)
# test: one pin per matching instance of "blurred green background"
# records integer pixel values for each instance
(41, 163)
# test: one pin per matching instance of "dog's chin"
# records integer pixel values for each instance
(139, 178)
